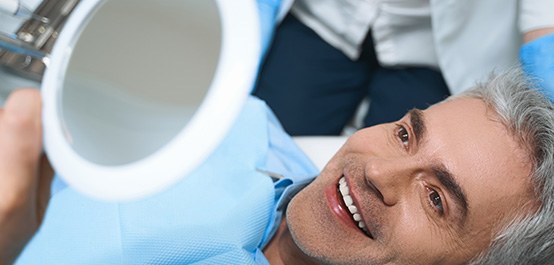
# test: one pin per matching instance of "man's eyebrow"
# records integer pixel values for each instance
(417, 123)
(447, 179)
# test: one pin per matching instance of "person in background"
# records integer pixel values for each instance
(329, 55)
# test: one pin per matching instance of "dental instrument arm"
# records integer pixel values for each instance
(10, 42)
(15, 8)
(15, 45)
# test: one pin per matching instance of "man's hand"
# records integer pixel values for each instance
(25, 174)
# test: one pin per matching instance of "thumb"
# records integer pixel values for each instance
(20, 143)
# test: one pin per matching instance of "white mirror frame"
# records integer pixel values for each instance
(233, 81)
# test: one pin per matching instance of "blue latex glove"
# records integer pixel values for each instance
(537, 58)
(268, 10)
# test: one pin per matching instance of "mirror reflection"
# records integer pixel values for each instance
(137, 74)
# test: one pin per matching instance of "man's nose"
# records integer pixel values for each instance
(390, 178)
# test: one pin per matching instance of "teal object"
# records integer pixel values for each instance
(537, 58)
(225, 212)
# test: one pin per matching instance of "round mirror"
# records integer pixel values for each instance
(136, 76)
(138, 92)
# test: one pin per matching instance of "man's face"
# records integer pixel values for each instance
(432, 188)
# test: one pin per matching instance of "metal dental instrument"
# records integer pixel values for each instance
(25, 52)
(13, 44)
(17, 9)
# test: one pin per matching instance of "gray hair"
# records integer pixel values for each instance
(529, 116)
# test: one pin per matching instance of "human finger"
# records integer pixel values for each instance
(20, 143)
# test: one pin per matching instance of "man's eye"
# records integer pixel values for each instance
(403, 135)
(436, 201)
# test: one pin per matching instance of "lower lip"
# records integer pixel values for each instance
(337, 206)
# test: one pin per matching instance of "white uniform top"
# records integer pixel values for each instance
(466, 39)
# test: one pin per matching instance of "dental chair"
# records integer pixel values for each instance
(320, 149)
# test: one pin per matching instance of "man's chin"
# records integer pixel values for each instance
(300, 232)
(315, 231)
(315, 245)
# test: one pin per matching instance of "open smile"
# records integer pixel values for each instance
(345, 208)
(352, 208)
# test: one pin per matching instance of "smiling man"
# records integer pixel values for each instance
(466, 181)
(439, 186)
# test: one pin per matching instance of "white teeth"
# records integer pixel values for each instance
(344, 189)
(347, 199)
(352, 209)
(345, 192)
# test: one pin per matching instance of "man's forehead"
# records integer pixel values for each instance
(464, 131)
(465, 115)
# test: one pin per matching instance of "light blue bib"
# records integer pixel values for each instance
(223, 213)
